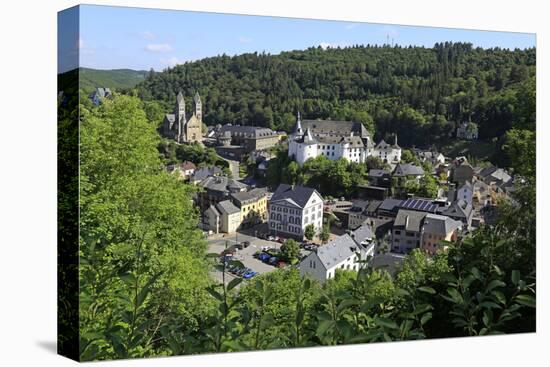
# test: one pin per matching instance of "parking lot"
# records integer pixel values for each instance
(217, 243)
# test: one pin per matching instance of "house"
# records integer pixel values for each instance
(176, 125)
(437, 228)
(332, 139)
(292, 208)
(481, 193)
(388, 153)
(213, 219)
(494, 176)
(364, 236)
(460, 210)
(205, 172)
(340, 253)
(467, 131)
(464, 192)
(253, 206)
(380, 178)
(99, 94)
(420, 205)
(217, 189)
(388, 208)
(360, 211)
(407, 231)
(407, 170)
(230, 216)
(251, 138)
(461, 171)
(432, 157)
(184, 170)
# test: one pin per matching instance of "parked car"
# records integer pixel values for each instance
(273, 260)
(246, 244)
(271, 238)
(249, 274)
(264, 257)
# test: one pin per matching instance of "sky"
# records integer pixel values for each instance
(141, 39)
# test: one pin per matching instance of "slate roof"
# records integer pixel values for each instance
(205, 172)
(373, 206)
(359, 205)
(247, 196)
(378, 173)
(407, 169)
(495, 173)
(254, 132)
(409, 220)
(298, 194)
(337, 250)
(389, 204)
(227, 207)
(459, 208)
(353, 141)
(222, 183)
(362, 233)
(440, 224)
(213, 209)
(333, 127)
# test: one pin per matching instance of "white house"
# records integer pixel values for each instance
(467, 130)
(388, 153)
(292, 208)
(341, 253)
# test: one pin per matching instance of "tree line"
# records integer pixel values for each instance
(417, 92)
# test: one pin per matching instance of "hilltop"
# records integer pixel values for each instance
(114, 79)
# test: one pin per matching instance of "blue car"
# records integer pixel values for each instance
(264, 257)
(249, 274)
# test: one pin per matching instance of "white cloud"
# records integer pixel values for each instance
(82, 48)
(159, 47)
(245, 39)
(147, 35)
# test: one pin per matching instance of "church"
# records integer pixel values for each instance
(176, 126)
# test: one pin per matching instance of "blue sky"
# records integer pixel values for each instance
(135, 38)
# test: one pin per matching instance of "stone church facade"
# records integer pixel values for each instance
(176, 126)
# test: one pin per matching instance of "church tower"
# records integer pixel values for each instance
(179, 115)
(198, 106)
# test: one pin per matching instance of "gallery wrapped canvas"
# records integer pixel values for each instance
(233, 183)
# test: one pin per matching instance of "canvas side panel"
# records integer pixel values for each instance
(67, 183)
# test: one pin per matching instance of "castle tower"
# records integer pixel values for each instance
(198, 106)
(179, 114)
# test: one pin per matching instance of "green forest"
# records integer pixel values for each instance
(146, 290)
(418, 93)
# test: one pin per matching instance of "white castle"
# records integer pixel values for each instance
(337, 139)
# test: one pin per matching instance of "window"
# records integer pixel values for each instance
(397, 232)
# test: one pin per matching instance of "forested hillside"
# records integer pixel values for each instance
(415, 92)
(114, 79)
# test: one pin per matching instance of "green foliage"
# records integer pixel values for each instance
(290, 250)
(335, 178)
(138, 237)
(324, 235)
(309, 232)
(114, 79)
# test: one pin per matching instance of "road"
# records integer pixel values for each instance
(233, 167)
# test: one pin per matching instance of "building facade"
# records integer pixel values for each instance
(292, 208)
(253, 206)
(332, 139)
